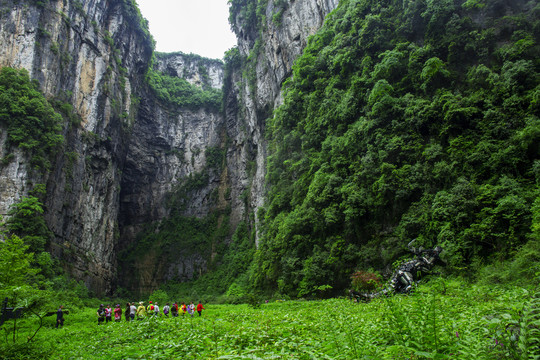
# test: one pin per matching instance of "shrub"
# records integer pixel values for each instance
(365, 280)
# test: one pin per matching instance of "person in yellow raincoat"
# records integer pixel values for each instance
(183, 308)
(141, 311)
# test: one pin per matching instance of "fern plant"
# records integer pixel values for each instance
(528, 342)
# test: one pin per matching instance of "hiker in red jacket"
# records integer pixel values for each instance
(200, 308)
(117, 313)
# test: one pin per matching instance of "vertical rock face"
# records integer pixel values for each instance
(120, 163)
(168, 145)
(196, 70)
(92, 55)
(287, 28)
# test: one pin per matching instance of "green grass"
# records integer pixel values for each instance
(446, 320)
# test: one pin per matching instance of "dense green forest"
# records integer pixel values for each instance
(402, 120)
(406, 120)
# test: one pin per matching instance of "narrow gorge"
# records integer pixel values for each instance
(132, 158)
(332, 135)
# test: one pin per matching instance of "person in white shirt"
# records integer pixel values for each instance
(132, 311)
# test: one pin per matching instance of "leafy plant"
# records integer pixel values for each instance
(464, 322)
(31, 122)
(365, 281)
(401, 121)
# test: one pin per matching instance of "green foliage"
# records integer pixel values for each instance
(365, 281)
(63, 106)
(248, 19)
(177, 234)
(15, 263)
(177, 92)
(160, 297)
(31, 299)
(228, 280)
(250, 13)
(31, 122)
(135, 19)
(215, 157)
(403, 120)
(447, 320)
(26, 221)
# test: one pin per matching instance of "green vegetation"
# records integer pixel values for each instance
(164, 242)
(228, 278)
(251, 16)
(441, 321)
(31, 122)
(27, 223)
(178, 92)
(405, 120)
(402, 120)
(250, 13)
(134, 17)
(279, 8)
(30, 280)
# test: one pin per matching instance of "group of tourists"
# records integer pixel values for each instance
(106, 313)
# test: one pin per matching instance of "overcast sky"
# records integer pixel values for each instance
(191, 26)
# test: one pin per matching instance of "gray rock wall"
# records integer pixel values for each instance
(195, 69)
(166, 148)
(120, 164)
(90, 55)
(168, 144)
(249, 108)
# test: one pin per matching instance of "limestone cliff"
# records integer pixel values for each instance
(92, 54)
(269, 52)
(131, 152)
(169, 146)
(172, 146)
(195, 69)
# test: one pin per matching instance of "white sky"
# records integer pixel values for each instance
(191, 26)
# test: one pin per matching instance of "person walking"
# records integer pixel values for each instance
(200, 308)
(150, 309)
(141, 311)
(183, 308)
(191, 309)
(101, 314)
(117, 313)
(174, 309)
(108, 313)
(127, 310)
(156, 310)
(132, 311)
(60, 317)
(166, 309)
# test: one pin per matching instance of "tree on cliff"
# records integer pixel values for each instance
(31, 122)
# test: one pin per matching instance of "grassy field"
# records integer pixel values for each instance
(440, 321)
